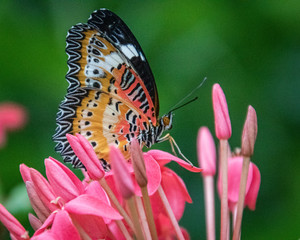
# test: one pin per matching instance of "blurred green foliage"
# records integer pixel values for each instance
(250, 47)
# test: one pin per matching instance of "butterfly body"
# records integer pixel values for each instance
(112, 96)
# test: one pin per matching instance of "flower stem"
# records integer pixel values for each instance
(242, 192)
(135, 217)
(209, 206)
(170, 213)
(123, 230)
(143, 219)
(149, 214)
(224, 197)
(115, 201)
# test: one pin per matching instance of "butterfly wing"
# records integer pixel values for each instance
(103, 61)
(104, 54)
(102, 119)
(117, 32)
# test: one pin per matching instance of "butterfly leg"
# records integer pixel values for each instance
(173, 143)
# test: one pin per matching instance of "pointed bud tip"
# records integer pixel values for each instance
(249, 133)
(221, 114)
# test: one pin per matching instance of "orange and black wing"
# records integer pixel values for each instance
(107, 68)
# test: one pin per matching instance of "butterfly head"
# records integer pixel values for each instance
(166, 121)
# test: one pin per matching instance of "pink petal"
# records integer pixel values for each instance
(153, 173)
(165, 229)
(222, 120)
(63, 227)
(47, 235)
(94, 189)
(12, 224)
(46, 225)
(89, 205)
(176, 193)
(94, 226)
(234, 177)
(206, 151)
(164, 158)
(121, 173)
(251, 196)
(112, 185)
(63, 181)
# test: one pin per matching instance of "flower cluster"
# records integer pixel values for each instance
(238, 178)
(140, 198)
(143, 198)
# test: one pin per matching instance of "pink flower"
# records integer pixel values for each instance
(62, 227)
(83, 208)
(15, 228)
(222, 120)
(90, 213)
(64, 198)
(12, 117)
(234, 177)
(206, 151)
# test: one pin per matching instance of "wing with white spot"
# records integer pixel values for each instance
(104, 58)
(94, 62)
(118, 33)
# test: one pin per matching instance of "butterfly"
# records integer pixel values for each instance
(112, 96)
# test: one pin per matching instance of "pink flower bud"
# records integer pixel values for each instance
(86, 154)
(249, 133)
(138, 163)
(121, 173)
(64, 182)
(43, 190)
(25, 173)
(34, 222)
(41, 210)
(13, 226)
(206, 151)
(222, 120)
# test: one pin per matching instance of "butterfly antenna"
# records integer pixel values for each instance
(188, 95)
(180, 106)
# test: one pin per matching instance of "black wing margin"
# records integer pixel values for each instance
(117, 32)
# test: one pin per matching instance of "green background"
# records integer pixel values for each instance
(252, 48)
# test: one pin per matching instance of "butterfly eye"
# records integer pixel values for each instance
(166, 121)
